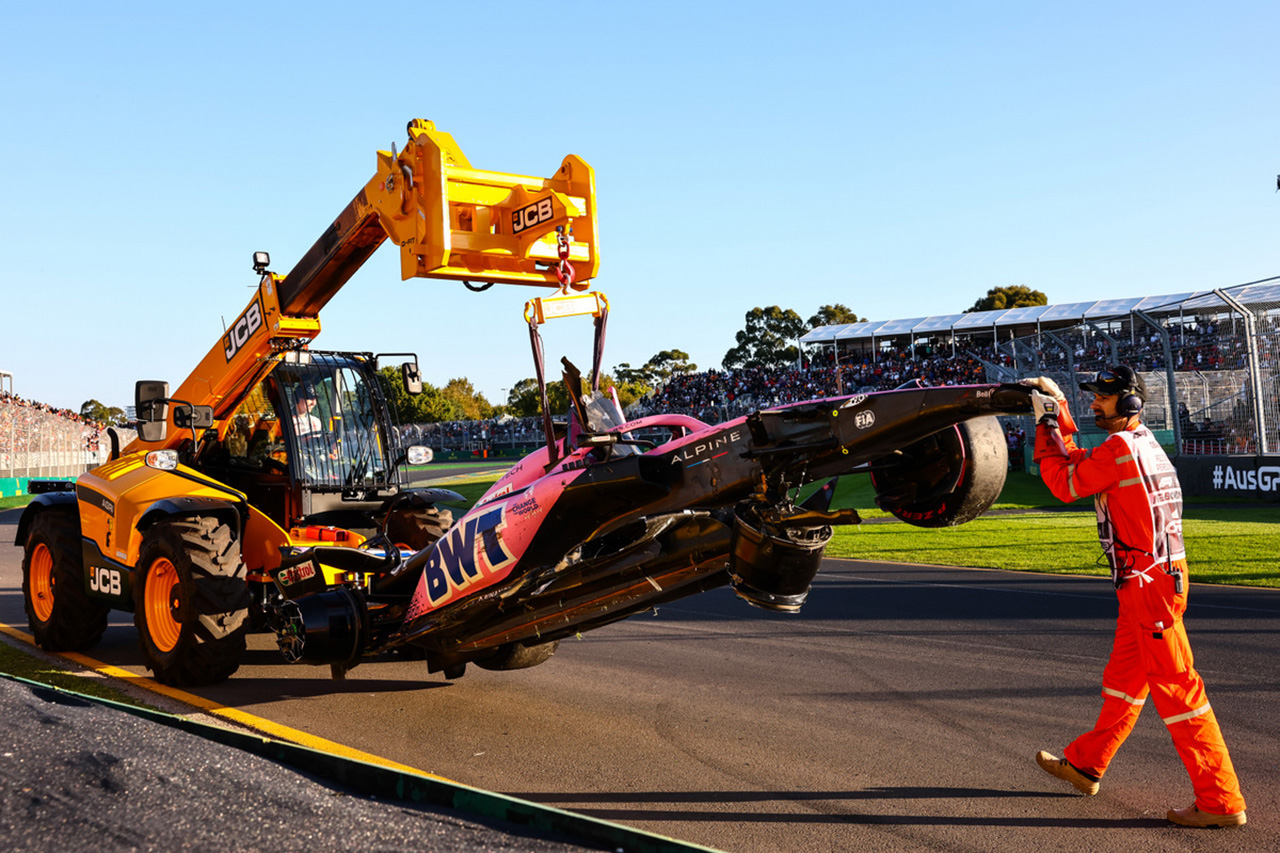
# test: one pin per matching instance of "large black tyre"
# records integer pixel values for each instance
(60, 613)
(516, 656)
(191, 601)
(949, 478)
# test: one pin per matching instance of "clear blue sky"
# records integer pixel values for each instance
(900, 158)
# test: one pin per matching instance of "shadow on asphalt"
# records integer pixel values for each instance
(712, 798)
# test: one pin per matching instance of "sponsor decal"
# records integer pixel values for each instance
(855, 400)
(297, 574)
(691, 452)
(469, 552)
(864, 419)
(104, 581)
(1264, 479)
(242, 330)
(528, 506)
(531, 215)
(95, 499)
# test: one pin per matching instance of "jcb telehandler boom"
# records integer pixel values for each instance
(450, 221)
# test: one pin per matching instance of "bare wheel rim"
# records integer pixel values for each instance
(161, 597)
(41, 582)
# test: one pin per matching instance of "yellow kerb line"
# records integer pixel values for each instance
(243, 718)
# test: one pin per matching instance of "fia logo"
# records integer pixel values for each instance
(243, 329)
(864, 419)
(104, 581)
(535, 214)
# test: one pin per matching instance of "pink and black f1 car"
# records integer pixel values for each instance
(612, 518)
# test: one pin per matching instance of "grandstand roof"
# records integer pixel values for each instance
(1260, 292)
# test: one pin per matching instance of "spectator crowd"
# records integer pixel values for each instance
(31, 431)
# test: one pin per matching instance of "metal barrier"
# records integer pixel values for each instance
(35, 442)
(1211, 364)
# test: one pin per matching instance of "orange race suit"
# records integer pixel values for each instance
(1139, 506)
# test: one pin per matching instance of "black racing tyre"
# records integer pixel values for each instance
(60, 613)
(516, 656)
(417, 527)
(191, 601)
(949, 478)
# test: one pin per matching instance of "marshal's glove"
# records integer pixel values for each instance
(1045, 409)
(1044, 385)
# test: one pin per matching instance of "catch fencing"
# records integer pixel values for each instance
(1211, 364)
(487, 437)
(36, 442)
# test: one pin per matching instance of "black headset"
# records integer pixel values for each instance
(1130, 394)
(1129, 405)
(1130, 402)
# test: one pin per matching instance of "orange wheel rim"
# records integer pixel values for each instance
(161, 601)
(41, 582)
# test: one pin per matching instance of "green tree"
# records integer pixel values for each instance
(628, 392)
(668, 363)
(834, 315)
(656, 370)
(434, 404)
(109, 415)
(523, 401)
(1010, 296)
(462, 394)
(768, 341)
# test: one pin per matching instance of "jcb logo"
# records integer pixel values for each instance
(244, 328)
(535, 214)
(104, 581)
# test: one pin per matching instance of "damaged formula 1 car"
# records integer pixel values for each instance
(614, 517)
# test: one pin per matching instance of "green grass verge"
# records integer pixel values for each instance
(14, 661)
(1236, 546)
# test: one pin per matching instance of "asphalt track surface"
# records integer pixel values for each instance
(899, 711)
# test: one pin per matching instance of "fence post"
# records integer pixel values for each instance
(1253, 374)
(1172, 394)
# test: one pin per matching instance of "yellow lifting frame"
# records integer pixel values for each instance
(543, 308)
(457, 222)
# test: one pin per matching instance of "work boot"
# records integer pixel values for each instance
(1192, 816)
(1060, 767)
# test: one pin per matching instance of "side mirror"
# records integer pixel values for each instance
(419, 455)
(412, 378)
(192, 417)
(150, 404)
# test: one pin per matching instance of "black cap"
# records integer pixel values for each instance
(1117, 380)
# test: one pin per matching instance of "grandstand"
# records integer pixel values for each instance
(1209, 357)
(38, 440)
